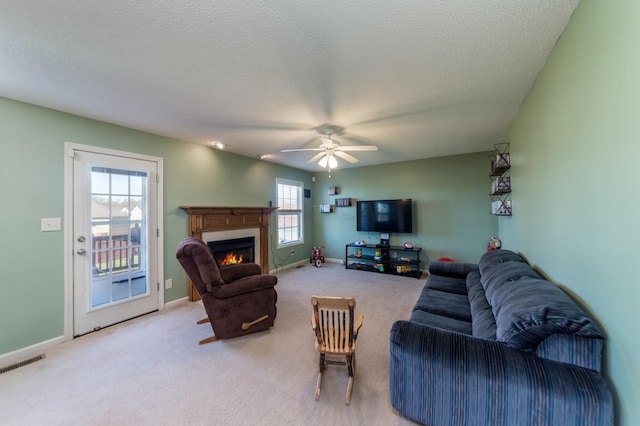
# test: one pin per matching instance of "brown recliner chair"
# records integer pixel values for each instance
(238, 299)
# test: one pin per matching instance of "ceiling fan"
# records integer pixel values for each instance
(330, 149)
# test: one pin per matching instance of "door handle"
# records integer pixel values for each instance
(82, 252)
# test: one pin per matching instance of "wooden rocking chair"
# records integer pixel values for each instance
(336, 333)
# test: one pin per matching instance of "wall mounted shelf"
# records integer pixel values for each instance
(500, 192)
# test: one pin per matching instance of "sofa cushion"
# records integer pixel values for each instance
(447, 284)
(439, 321)
(483, 323)
(442, 303)
(451, 269)
(530, 309)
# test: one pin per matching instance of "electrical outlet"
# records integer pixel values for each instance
(292, 253)
(168, 283)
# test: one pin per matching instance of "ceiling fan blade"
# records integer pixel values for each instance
(358, 148)
(301, 149)
(345, 156)
(316, 157)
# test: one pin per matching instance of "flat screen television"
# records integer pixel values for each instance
(385, 216)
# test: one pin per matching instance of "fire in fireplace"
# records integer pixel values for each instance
(233, 251)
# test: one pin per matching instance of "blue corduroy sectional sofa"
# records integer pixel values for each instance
(495, 344)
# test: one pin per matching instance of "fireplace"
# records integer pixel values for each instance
(233, 251)
(210, 223)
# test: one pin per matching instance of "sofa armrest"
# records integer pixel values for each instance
(451, 269)
(233, 272)
(245, 285)
(439, 377)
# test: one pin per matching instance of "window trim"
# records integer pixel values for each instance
(280, 211)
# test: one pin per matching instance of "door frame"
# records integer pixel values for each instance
(69, 149)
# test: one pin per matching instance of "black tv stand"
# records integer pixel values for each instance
(395, 260)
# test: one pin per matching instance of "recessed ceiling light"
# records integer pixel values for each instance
(219, 145)
(263, 156)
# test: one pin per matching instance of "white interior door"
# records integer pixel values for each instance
(115, 239)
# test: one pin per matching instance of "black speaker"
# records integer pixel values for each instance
(307, 193)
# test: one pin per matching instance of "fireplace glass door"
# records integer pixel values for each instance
(233, 251)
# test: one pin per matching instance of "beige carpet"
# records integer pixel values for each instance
(151, 370)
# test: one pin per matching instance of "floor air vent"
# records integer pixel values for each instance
(21, 364)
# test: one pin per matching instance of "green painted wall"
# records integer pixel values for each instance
(575, 149)
(451, 205)
(32, 186)
(450, 194)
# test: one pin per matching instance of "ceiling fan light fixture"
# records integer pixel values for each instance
(328, 160)
(333, 163)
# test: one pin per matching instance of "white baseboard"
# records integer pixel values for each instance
(290, 266)
(303, 263)
(23, 354)
(176, 302)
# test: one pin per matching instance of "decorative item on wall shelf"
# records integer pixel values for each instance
(343, 202)
(501, 207)
(326, 208)
(501, 185)
(333, 190)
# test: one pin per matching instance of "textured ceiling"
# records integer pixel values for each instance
(417, 78)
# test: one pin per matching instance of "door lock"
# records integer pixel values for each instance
(82, 252)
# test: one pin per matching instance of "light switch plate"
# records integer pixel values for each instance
(48, 224)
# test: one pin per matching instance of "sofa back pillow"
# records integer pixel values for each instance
(496, 257)
(531, 309)
(505, 274)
